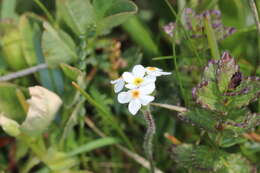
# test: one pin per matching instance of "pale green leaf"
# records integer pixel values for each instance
(58, 47)
(10, 126)
(9, 104)
(79, 15)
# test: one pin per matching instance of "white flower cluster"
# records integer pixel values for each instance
(141, 83)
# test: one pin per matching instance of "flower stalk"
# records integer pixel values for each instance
(211, 37)
(148, 139)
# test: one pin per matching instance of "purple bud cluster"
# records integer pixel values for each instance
(195, 24)
(169, 28)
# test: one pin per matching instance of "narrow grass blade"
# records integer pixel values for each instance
(93, 145)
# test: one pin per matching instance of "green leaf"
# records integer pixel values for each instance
(12, 48)
(79, 15)
(58, 47)
(196, 157)
(59, 161)
(9, 103)
(227, 138)
(8, 9)
(102, 6)
(234, 163)
(118, 13)
(202, 118)
(29, 28)
(207, 95)
(246, 92)
(10, 126)
(227, 67)
(93, 145)
(71, 72)
(210, 71)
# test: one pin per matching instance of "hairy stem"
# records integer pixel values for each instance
(148, 139)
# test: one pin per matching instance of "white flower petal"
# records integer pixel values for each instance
(124, 97)
(146, 99)
(128, 77)
(119, 86)
(134, 106)
(164, 73)
(149, 79)
(138, 71)
(147, 89)
(130, 86)
(115, 81)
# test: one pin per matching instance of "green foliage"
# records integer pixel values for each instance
(12, 49)
(29, 28)
(9, 104)
(90, 131)
(10, 126)
(222, 91)
(83, 17)
(58, 47)
(205, 159)
(79, 15)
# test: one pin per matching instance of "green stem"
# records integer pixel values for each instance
(177, 71)
(213, 45)
(186, 34)
(255, 7)
(148, 139)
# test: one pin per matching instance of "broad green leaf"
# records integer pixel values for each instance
(201, 117)
(79, 15)
(94, 145)
(246, 92)
(58, 47)
(29, 28)
(8, 9)
(244, 123)
(43, 106)
(196, 157)
(118, 13)
(102, 6)
(12, 49)
(71, 72)
(207, 95)
(10, 126)
(227, 67)
(234, 163)
(227, 139)
(9, 103)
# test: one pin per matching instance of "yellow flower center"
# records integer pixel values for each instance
(151, 68)
(135, 94)
(138, 81)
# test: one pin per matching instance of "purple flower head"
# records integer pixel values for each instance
(169, 28)
(194, 22)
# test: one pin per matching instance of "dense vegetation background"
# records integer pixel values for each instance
(79, 46)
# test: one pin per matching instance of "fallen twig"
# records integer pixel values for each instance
(24, 72)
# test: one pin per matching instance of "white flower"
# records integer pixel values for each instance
(136, 78)
(137, 97)
(118, 84)
(154, 71)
